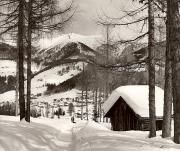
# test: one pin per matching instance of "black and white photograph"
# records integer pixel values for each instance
(89, 75)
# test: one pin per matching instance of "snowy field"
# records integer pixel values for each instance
(39, 82)
(7, 67)
(50, 98)
(61, 135)
(8, 96)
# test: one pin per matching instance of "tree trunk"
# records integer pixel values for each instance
(21, 58)
(95, 106)
(86, 89)
(17, 85)
(82, 104)
(29, 34)
(175, 44)
(151, 69)
(99, 106)
(107, 62)
(104, 99)
(82, 87)
(166, 128)
(87, 102)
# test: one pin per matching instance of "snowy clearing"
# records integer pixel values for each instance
(7, 67)
(44, 134)
(8, 96)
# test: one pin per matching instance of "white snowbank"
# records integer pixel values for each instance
(92, 136)
(39, 135)
(136, 96)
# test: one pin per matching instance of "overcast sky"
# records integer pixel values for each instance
(84, 20)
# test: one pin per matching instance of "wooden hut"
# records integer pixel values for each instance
(128, 109)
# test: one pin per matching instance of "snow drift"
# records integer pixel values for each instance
(91, 136)
(39, 135)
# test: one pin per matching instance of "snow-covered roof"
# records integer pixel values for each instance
(137, 97)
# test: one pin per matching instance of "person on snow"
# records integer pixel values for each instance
(73, 118)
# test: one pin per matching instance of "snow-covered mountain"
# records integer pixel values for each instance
(65, 46)
(91, 41)
(69, 46)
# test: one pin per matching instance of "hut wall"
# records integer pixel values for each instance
(145, 124)
(123, 118)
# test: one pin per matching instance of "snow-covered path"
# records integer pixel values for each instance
(64, 128)
(44, 134)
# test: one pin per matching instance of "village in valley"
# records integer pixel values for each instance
(89, 75)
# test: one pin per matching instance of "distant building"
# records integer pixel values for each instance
(128, 108)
